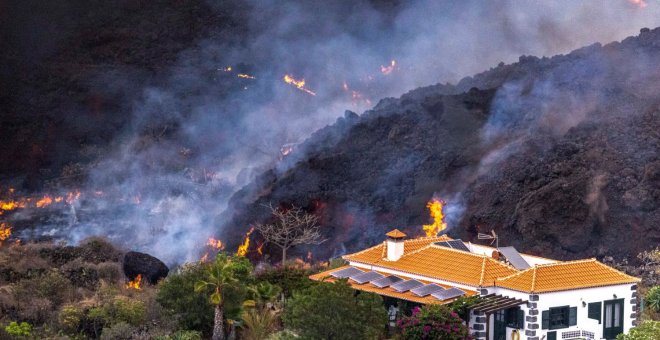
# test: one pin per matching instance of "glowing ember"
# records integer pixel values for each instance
(639, 3)
(388, 69)
(435, 207)
(72, 197)
(243, 248)
(135, 284)
(225, 69)
(217, 244)
(246, 76)
(260, 249)
(44, 202)
(5, 232)
(299, 84)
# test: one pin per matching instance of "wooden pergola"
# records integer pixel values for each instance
(492, 303)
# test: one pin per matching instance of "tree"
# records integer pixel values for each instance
(290, 228)
(335, 311)
(224, 275)
(653, 299)
(433, 322)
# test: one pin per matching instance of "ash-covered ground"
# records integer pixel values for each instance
(174, 122)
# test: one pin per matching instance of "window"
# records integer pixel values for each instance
(593, 311)
(559, 317)
(514, 318)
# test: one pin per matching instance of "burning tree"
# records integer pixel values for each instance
(290, 228)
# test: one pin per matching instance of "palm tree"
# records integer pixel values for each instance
(225, 272)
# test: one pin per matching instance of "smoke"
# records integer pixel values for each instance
(203, 133)
(595, 198)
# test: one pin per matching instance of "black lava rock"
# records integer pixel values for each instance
(151, 268)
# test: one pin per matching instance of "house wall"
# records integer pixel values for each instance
(574, 298)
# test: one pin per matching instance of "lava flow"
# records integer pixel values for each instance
(435, 207)
(299, 84)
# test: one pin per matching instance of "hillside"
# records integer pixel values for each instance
(560, 156)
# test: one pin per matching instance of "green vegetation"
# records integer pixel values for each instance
(16, 329)
(653, 299)
(335, 311)
(647, 330)
(433, 322)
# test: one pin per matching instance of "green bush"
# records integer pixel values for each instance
(433, 322)
(118, 331)
(121, 309)
(69, 318)
(15, 329)
(335, 311)
(289, 278)
(653, 299)
(647, 330)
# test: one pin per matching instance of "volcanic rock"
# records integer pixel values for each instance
(151, 268)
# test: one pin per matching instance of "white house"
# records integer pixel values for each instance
(523, 296)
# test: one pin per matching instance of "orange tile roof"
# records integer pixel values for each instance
(396, 233)
(564, 276)
(377, 252)
(439, 263)
(367, 287)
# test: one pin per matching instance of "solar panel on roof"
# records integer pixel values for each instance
(454, 244)
(513, 256)
(365, 277)
(448, 293)
(344, 273)
(406, 285)
(386, 281)
(426, 290)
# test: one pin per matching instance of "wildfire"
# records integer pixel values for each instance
(204, 258)
(5, 232)
(12, 205)
(243, 248)
(44, 202)
(639, 3)
(72, 197)
(216, 244)
(246, 76)
(136, 283)
(299, 84)
(435, 207)
(260, 249)
(388, 69)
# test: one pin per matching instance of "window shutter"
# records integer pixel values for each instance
(572, 316)
(545, 319)
(521, 319)
(594, 311)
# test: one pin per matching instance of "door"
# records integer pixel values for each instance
(612, 318)
(499, 331)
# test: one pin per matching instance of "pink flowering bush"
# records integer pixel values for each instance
(433, 322)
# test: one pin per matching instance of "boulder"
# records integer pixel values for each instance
(151, 268)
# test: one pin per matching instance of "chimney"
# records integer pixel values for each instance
(394, 244)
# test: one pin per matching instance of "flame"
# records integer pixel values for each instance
(44, 202)
(217, 244)
(299, 84)
(135, 284)
(260, 249)
(5, 232)
(639, 3)
(246, 76)
(225, 69)
(388, 69)
(12, 205)
(72, 196)
(204, 258)
(243, 248)
(435, 207)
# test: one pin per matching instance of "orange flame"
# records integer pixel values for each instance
(243, 248)
(260, 249)
(72, 197)
(299, 84)
(12, 205)
(246, 76)
(435, 207)
(44, 202)
(5, 232)
(639, 3)
(388, 69)
(135, 284)
(217, 244)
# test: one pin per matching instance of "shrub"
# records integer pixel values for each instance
(433, 322)
(118, 331)
(15, 329)
(187, 335)
(258, 323)
(647, 330)
(289, 278)
(335, 311)
(121, 309)
(653, 299)
(109, 271)
(69, 318)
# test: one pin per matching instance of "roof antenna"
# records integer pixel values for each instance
(492, 236)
